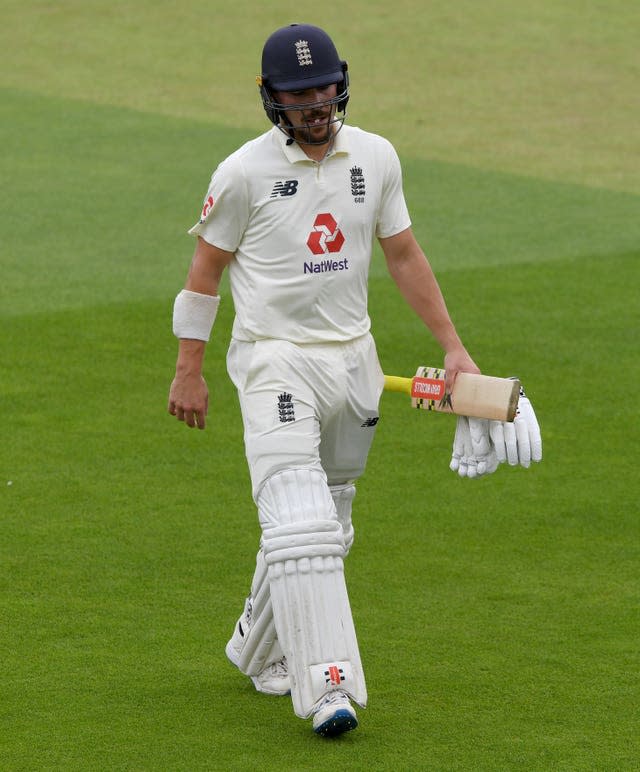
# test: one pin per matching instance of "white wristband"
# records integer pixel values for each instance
(194, 314)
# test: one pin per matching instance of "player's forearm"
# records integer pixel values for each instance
(419, 286)
(188, 395)
(196, 306)
(190, 357)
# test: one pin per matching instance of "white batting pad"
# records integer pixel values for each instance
(303, 545)
(260, 644)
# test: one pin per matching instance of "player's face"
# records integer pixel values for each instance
(309, 113)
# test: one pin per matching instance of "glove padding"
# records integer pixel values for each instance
(473, 454)
(520, 442)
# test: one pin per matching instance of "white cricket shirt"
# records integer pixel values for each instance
(302, 233)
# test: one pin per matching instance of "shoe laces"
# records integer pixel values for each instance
(334, 696)
(279, 668)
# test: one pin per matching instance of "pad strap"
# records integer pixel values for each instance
(343, 496)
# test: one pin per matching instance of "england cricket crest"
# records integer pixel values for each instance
(303, 53)
(357, 184)
(286, 410)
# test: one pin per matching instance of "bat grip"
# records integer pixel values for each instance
(396, 383)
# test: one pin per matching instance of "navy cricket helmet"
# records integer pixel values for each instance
(299, 57)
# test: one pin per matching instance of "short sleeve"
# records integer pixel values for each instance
(393, 215)
(225, 210)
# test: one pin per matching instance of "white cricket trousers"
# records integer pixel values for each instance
(307, 406)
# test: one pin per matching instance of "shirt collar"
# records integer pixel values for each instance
(294, 153)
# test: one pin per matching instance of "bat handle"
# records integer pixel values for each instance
(396, 383)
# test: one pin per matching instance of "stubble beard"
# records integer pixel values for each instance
(310, 133)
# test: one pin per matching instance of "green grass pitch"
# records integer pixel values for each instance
(498, 619)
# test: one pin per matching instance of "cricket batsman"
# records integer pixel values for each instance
(292, 215)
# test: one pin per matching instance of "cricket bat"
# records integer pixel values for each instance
(480, 396)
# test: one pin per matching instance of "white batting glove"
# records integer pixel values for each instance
(520, 442)
(473, 454)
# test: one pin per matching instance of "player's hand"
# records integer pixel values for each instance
(473, 453)
(189, 400)
(520, 442)
(457, 361)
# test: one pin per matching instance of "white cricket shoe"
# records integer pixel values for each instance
(334, 715)
(235, 644)
(274, 679)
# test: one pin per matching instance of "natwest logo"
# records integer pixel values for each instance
(325, 236)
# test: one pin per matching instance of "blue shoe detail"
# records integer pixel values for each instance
(342, 720)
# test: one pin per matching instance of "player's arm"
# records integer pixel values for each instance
(414, 276)
(194, 314)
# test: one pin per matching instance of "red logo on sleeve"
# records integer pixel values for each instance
(208, 206)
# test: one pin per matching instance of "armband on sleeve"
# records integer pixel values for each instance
(194, 314)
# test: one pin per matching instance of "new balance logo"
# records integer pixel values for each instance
(286, 188)
(286, 411)
(368, 422)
